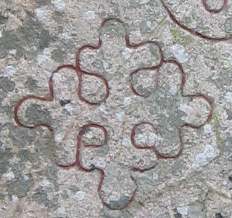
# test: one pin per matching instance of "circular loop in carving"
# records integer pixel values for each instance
(161, 155)
(135, 89)
(100, 77)
(192, 31)
(133, 135)
(214, 10)
(92, 126)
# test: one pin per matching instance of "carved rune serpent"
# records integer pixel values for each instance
(205, 20)
(119, 123)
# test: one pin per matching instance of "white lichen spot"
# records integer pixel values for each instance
(126, 53)
(45, 183)
(228, 97)
(59, 5)
(179, 52)
(9, 71)
(13, 51)
(3, 147)
(155, 176)
(173, 90)
(115, 196)
(208, 154)
(125, 141)
(26, 177)
(120, 116)
(14, 198)
(149, 24)
(59, 137)
(103, 109)
(41, 14)
(101, 163)
(8, 175)
(127, 100)
(136, 34)
(106, 66)
(225, 183)
(182, 210)
(80, 195)
(90, 15)
(61, 211)
(44, 59)
(69, 108)
(208, 129)
(143, 2)
(187, 109)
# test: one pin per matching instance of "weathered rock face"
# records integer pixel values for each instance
(117, 108)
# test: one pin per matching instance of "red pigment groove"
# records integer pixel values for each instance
(81, 167)
(80, 73)
(214, 11)
(180, 129)
(48, 98)
(195, 32)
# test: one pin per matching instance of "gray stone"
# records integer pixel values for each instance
(6, 84)
(3, 94)
(119, 203)
(38, 36)
(26, 155)
(228, 25)
(3, 19)
(58, 55)
(21, 137)
(5, 156)
(21, 186)
(28, 39)
(43, 2)
(196, 210)
(31, 84)
(35, 114)
(40, 196)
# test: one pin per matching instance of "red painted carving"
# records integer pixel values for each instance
(80, 144)
(214, 10)
(193, 31)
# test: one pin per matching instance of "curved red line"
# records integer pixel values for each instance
(49, 97)
(79, 72)
(214, 11)
(190, 30)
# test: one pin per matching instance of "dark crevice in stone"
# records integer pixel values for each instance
(63, 102)
(230, 178)
(178, 215)
(3, 19)
(218, 215)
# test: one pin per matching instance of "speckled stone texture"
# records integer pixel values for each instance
(115, 109)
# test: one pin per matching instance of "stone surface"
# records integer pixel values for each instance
(118, 108)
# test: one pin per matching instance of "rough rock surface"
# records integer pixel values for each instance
(116, 108)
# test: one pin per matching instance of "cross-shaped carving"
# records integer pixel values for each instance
(118, 110)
